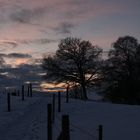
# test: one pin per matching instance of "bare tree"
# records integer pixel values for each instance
(75, 61)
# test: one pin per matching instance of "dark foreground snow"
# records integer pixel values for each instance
(28, 119)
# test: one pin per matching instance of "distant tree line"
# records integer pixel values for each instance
(80, 63)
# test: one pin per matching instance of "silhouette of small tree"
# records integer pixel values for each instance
(75, 61)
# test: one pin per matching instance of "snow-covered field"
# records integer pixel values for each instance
(28, 119)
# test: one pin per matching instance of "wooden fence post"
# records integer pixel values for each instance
(31, 90)
(28, 90)
(22, 92)
(49, 122)
(59, 101)
(8, 102)
(100, 132)
(67, 94)
(53, 108)
(65, 128)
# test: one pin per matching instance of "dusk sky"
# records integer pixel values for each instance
(31, 28)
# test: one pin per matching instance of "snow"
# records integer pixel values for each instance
(28, 119)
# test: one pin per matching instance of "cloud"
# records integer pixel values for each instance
(64, 28)
(45, 41)
(20, 74)
(37, 41)
(15, 43)
(12, 44)
(15, 55)
(2, 4)
(26, 16)
(2, 55)
(19, 55)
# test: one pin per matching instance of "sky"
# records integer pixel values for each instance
(29, 29)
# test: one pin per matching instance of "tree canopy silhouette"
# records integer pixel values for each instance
(121, 71)
(75, 61)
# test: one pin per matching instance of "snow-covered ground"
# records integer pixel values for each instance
(28, 119)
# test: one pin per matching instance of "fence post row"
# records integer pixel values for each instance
(49, 122)
(65, 128)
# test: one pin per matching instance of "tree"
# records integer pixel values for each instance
(76, 61)
(121, 70)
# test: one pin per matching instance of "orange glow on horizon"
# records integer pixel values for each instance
(21, 61)
(52, 87)
(17, 61)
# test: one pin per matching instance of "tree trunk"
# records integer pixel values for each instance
(84, 92)
(83, 85)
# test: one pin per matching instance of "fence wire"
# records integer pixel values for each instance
(58, 128)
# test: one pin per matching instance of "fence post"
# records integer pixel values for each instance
(28, 90)
(59, 101)
(31, 90)
(65, 127)
(8, 102)
(49, 122)
(67, 94)
(53, 109)
(22, 92)
(100, 132)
